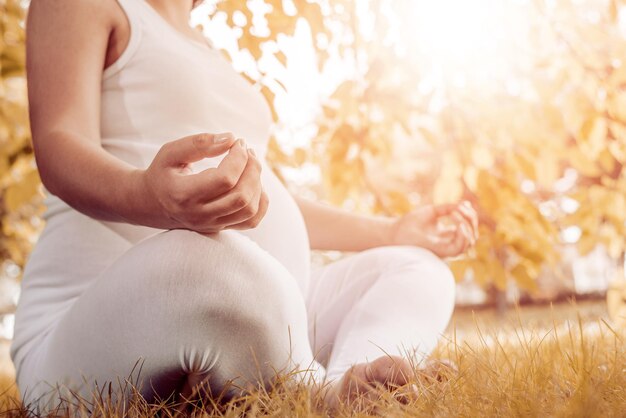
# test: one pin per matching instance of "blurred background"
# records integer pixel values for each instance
(518, 106)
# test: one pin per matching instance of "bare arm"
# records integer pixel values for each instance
(67, 45)
(334, 229)
(66, 49)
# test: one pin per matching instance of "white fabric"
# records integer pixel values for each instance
(98, 296)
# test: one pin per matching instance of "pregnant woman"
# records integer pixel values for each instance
(169, 241)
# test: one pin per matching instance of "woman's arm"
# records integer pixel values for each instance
(334, 229)
(67, 50)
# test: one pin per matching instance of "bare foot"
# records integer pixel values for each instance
(363, 380)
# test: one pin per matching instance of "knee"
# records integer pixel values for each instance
(225, 268)
(179, 261)
(248, 297)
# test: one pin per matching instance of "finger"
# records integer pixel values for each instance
(469, 239)
(234, 200)
(244, 214)
(195, 147)
(467, 232)
(256, 220)
(212, 183)
(464, 225)
(242, 194)
(443, 227)
(470, 214)
(463, 232)
(443, 210)
(460, 243)
(447, 236)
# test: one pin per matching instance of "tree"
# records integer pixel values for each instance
(529, 126)
(537, 149)
(20, 207)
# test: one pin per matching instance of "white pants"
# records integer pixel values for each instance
(218, 308)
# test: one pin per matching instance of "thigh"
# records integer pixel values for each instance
(175, 305)
(338, 287)
(334, 290)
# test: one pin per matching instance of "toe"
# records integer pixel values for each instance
(391, 371)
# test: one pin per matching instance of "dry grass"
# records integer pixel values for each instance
(548, 364)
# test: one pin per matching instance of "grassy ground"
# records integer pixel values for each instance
(541, 361)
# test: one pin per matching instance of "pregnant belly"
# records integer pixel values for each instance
(282, 232)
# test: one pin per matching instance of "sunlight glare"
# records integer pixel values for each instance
(455, 27)
(465, 39)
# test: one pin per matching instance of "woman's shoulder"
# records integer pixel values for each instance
(98, 21)
(85, 13)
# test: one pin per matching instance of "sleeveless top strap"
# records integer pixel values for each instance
(132, 11)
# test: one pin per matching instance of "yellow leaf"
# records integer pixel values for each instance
(592, 135)
(523, 278)
(22, 192)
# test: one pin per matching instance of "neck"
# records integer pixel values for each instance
(175, 11)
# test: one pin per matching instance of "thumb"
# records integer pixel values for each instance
(444, 210)
(196, 147)
(431, 213)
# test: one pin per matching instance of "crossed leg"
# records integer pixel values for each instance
(218, 309)
(373, 309)
(192, 308)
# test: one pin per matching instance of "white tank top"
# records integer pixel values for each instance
(167, 86)
(164, 86)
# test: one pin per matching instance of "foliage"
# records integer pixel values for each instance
(537, 146)
(536, 139)
(19, 181)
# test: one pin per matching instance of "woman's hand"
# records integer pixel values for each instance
(229, 196)
(446, 230)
